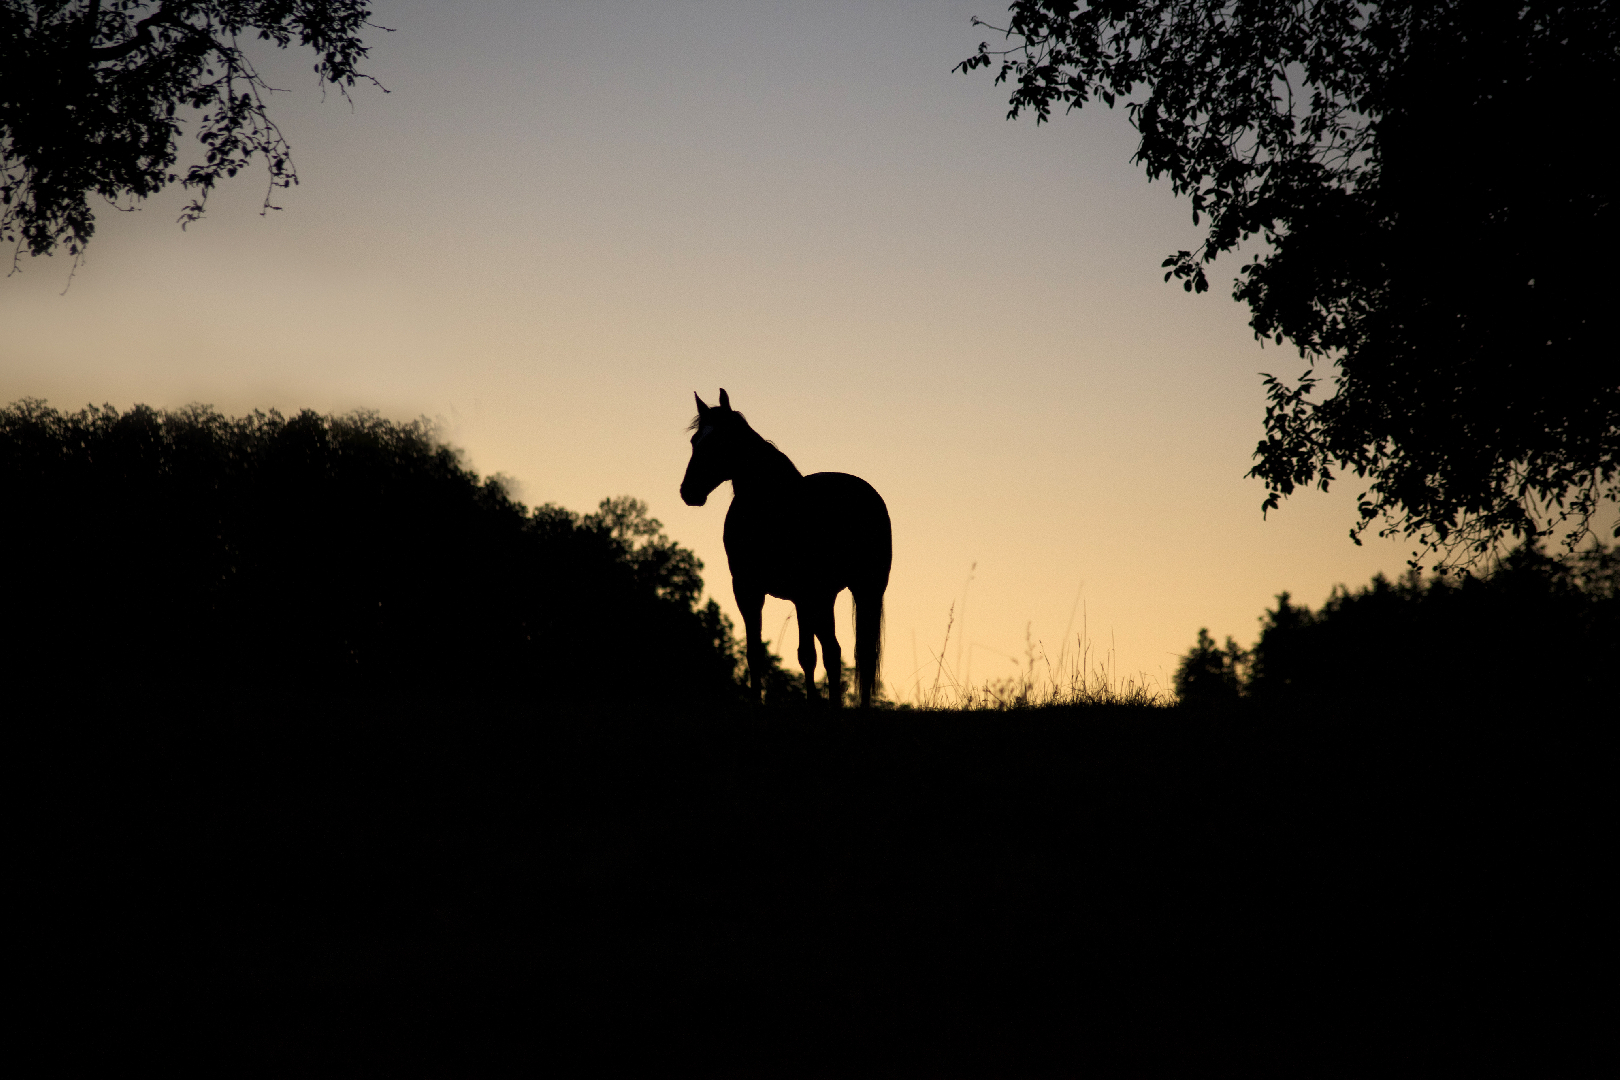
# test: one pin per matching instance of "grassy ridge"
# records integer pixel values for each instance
(352, 891)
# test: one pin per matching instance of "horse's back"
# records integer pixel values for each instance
(824, 533)
(837, 490)
(852, 526)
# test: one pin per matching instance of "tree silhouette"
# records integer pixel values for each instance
(1423, 190)
(312, 554)
(1537, 631)
(1209, 674)
(94, 94)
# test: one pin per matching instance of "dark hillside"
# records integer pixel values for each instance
(989, 894)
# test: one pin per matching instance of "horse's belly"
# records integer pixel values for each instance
(793, 579)
(833, 535)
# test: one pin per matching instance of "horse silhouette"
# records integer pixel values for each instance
(799, 538)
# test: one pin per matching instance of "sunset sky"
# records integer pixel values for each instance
(567, 217)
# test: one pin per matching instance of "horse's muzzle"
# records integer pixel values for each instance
(693, 498)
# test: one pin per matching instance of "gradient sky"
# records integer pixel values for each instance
(567, 217)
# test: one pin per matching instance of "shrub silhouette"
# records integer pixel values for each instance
(1535, 626)
(1211, 675)
(316, 553)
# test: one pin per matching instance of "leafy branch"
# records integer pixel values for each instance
(92, 96)
(1449, 291)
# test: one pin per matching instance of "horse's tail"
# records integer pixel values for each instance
(868, 636)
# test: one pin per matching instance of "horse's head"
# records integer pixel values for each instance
(715, 435)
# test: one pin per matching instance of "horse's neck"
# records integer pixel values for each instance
(764, 471)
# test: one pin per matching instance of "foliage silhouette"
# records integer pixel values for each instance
(94, 93)
(1452, 288)
(1536, 628)
(1210, 675)
(289, 555)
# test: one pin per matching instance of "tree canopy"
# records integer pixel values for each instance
(274, 555)
(94, 95)
(1535, 631)
(1420, 189)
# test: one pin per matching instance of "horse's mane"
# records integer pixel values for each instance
(697, 422)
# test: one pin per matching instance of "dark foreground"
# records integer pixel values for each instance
(363, 890)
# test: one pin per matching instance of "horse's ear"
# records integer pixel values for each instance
(702, 408)
(725, 400)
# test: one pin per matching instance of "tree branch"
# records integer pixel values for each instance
(143, 35)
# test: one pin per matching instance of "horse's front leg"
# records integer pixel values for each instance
(751, 604)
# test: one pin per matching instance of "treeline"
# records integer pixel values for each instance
(1536, 630)
(176, 552)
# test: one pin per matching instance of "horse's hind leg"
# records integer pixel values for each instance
(832, 657)
(816, 622)
(807, 650)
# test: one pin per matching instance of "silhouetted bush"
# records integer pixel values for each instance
(177, 550)
(1536, 629)
(1211, 675)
